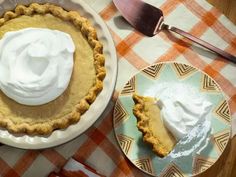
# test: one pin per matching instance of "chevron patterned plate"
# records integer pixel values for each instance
(146, 83)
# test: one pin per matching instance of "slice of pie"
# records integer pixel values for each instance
(86, 80)
(150, 124)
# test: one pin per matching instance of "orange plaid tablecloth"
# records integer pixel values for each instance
(97, 147)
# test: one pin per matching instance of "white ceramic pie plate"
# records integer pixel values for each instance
(61, 136)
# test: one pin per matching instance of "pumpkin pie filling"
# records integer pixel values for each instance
(86, 80)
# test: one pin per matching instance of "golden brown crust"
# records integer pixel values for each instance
(83, 105)
(143, 125)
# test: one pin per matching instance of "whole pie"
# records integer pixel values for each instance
(86, 81)
(150, 124)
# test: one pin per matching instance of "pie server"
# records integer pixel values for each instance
(149, 20)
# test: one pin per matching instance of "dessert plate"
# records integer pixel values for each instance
(61, 136)
(181, 161)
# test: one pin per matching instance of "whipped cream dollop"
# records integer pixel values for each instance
(182, 109)
(35, 64)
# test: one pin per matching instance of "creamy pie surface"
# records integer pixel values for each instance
(150, 124)
(86, 79)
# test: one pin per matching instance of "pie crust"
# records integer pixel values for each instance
(150, 124)
(87, 77)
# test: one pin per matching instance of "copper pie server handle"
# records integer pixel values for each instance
(149, 19)
(201, 42)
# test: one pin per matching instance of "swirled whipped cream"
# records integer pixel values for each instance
(35, 64)
(182, 109)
